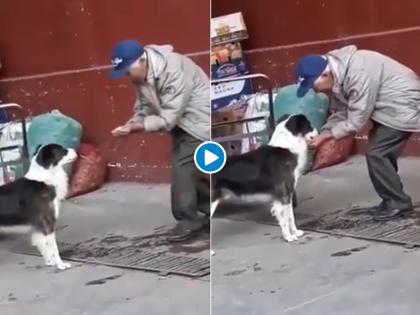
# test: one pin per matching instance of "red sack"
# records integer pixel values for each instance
(333, 152)
(89, 171)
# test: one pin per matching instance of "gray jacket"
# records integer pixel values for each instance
(177, 93)
(369, 85)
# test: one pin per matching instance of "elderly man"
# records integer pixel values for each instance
(172, 96)
(368, 86)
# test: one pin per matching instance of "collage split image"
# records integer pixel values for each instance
(209, 157)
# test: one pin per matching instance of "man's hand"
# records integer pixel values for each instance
(319, 140)
(121, 131)
(136, 125)
(131, 126)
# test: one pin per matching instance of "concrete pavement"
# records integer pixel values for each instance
(254, 272)
(27, 287)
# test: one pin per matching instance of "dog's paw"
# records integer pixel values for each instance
(63, 266)
(299, 233)
(212, 253)
(290, 238)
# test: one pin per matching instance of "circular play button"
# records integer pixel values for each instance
(210, 157)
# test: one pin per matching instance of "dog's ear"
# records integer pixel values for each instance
(283, 118)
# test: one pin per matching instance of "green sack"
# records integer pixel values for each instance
(313, 105)
(53, 127)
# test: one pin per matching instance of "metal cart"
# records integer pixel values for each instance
(269, 121)
(15, 112)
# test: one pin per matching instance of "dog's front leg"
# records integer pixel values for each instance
(291, 218)
(54, 253)
(47, 245)
(279, 210)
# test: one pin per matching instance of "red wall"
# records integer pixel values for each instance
(282, 31)
(54, 52)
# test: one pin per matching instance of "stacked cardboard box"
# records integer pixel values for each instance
(227, 60)
(228, 28)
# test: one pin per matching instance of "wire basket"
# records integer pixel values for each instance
(230, 127)
(12, 168)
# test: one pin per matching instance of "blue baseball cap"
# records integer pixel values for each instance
(308, 69)
(124, 54)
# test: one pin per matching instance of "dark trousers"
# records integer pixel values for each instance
(384, 148)
(190, 194)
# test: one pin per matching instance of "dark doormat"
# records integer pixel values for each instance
(148, 253)
(356, 223)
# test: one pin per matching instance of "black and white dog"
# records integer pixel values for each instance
(272, 170)
(33, 201)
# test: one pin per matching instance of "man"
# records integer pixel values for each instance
(368, 86)
(172, 96)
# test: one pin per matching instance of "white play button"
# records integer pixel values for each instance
(209, 157)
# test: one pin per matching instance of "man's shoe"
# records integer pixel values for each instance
(183, 234)
(370, 210)
(389, 214)
(382, 207)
